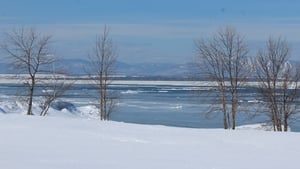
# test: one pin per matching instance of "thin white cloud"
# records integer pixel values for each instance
(136, 40)
(176, 29)
(156, 30)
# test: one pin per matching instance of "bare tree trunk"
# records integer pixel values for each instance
(285, 122)
(29, 110)
(226, 120)
(234, 106)
(225, 114)
(45, 109)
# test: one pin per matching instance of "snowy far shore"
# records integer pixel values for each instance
(20, 79)
(72, 142)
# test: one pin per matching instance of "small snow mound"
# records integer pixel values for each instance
(261, 126)
(90, 112)
(60, 105)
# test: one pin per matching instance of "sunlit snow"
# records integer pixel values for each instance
(64, 141)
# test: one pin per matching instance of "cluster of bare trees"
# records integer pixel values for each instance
(278, 82)
(31, 55)
(225, 57)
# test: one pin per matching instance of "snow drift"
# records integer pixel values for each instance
(74, 143)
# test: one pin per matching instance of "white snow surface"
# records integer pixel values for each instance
(67, 142)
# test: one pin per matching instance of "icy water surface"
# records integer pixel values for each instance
(163, 104)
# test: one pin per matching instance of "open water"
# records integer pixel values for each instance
(172, 104)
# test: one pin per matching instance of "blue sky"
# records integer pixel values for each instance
(152, 30)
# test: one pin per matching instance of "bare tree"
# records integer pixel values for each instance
(224, 57)
(102, 68)
(53, 88)
(278, 82)
(30, 54)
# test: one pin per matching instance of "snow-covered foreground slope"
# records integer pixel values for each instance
(31, 142)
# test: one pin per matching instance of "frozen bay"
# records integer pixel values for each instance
(171, 103)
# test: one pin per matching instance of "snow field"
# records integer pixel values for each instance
(75, 143)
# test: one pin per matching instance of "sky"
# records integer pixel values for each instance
(154, 30)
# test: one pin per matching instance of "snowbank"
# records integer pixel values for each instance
(74, 143)
(59, 108)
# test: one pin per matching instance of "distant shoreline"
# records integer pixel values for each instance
(19, 79)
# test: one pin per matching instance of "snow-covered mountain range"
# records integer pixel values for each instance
(79, 66)
(159, 70)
